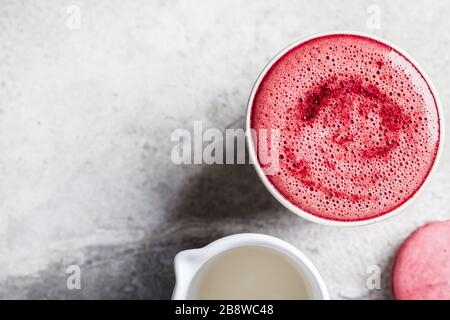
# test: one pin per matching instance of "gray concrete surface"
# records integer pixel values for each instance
(86, 113)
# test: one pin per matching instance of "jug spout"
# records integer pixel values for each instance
(186, 265)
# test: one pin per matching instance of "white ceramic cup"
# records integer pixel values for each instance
(189, 262)
(280, 197)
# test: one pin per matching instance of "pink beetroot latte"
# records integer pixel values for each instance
(359, 126)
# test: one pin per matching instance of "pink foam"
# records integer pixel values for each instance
(422, 266)
(359, 126)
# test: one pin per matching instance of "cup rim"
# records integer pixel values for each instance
(203, 255)
(309, 216)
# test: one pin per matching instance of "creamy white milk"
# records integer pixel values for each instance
(250, 272)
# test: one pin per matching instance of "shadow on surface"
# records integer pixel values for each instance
(218, 201)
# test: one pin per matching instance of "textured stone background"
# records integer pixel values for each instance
(85, 123)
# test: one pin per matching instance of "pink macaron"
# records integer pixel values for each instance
(422, 266)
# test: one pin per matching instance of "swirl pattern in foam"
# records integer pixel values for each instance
(358, 123)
